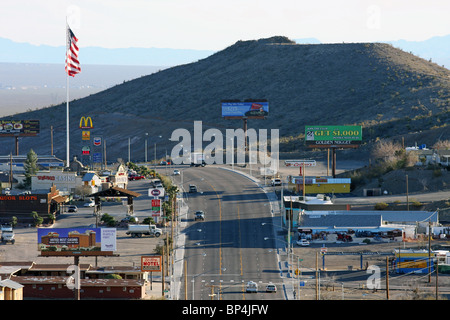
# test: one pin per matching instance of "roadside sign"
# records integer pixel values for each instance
(156, 192)
(97, 141)
(323, 250)
(151, 263)
(300, 163)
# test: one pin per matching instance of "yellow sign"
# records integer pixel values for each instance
(86, 135)
(86, 123)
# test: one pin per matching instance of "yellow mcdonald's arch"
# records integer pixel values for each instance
(86, 123)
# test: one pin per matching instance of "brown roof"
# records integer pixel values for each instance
(57, 267)
(116, 192)
(84, 282)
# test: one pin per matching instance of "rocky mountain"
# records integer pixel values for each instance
(391, 93)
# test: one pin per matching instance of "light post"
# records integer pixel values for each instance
(146, 137)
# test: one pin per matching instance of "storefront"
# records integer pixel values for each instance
(65, 181)
(22, 205)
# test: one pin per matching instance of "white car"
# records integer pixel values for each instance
(303, 242)
(89, 204)
(251, 287)
(176, 172)
(271, 288)
(276, 182)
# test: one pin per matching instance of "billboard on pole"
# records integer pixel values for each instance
(333, 136)
(20, 128)
(249, 110)
(76, 241)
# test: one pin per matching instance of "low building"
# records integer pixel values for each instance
(22, 205)
(298, 206)
(55, 287)
(351, 225)
(11, 290)
(315, 185)
(16, 163)
(49, 281)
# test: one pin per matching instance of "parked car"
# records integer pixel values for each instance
(199, 215)
(303, 242)
(271, 288)
(275, 182)
(192, 188)
(132, 177)
(128, 218)
(72, 208)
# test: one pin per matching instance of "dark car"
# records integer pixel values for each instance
(192, 188)
(199, 215)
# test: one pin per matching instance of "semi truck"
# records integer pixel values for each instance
(138, 230)
(197, 160)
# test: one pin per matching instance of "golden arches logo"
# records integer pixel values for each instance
(86, 123)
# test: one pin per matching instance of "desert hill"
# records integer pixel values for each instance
(391, 93)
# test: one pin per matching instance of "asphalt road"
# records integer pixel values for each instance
(228, 249)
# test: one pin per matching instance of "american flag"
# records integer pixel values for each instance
(72, 63)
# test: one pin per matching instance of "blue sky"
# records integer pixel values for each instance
(215, 25)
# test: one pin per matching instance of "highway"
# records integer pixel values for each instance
(228, 249)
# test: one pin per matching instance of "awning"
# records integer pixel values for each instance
(59, 199)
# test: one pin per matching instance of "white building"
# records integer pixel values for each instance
(68, 182)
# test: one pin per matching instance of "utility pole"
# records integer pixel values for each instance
(317, 275)
(437, 278)
(163, 272)
(387, 278)
(185, 280)
(429, 251)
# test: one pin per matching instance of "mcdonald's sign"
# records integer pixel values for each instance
(86, 123)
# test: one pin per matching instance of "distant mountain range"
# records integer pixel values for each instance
(436, 49)
(15, 52)
(388, 91)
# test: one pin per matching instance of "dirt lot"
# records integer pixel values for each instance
(129, 250)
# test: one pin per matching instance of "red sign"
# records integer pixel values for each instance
(151, 263)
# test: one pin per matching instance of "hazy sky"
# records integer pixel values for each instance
(215, 25)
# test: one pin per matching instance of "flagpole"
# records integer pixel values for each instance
(67, 123)
(67, 100)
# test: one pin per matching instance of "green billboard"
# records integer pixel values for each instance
(333, 136)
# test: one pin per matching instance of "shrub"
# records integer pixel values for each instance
(381, 206)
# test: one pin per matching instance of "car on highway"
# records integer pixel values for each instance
(303, 242)
(251, 287)
(199, 215)
(192, 188)
(72, 208)
(271, 288)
